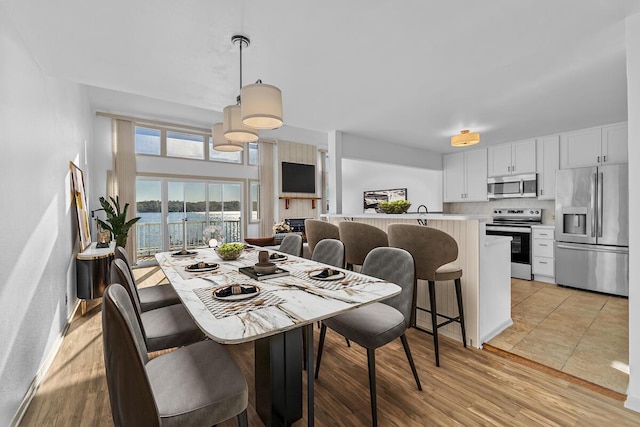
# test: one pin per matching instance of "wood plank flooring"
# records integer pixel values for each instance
(471, 388)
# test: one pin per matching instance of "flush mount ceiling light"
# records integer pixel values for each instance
(465, 138)
(220, 143)
(259, 106)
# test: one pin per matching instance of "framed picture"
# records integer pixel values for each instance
(373, 197)
(80, 200)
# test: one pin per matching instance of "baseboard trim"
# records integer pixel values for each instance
(558, 374)
(42, 372)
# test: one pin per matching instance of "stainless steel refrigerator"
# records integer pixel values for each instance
(592, 229)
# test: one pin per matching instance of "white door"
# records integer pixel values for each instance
(548, 163)
(499, 162)
(523, 156)
(614, 144)
(580, 149)
(453, 168)
(476, 177)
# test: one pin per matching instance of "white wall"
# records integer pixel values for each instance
(633, 99)
(45, 123)
(424, 186)
(356, 147)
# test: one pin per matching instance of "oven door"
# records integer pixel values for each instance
(520, 248)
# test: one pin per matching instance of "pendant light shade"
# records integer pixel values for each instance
(233, 128)
(220, 143)
(261, 106)
(465, 138)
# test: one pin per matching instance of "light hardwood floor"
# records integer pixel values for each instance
(471, 388)
(581, 333)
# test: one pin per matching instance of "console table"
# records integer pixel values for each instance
(92, 271)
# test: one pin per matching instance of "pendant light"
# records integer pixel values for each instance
(233, 128)
(220, 143)
(261, 106)
(465, 138)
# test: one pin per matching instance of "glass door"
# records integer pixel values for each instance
(186, 201)
(149, 229)
(225, 210)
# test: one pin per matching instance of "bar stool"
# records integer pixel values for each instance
(359, 239)
(316, 231)
(432, 250)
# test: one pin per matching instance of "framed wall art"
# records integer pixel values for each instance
(80, 200)
(372, 198)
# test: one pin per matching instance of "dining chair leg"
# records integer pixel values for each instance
(304, 349)
(434, 318)
(310, 385)
(371, 359)
(405, 344)
(323, 332)
(461, 310)
(348, 342)
(242, 419)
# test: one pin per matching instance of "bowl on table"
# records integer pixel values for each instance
(229, 251)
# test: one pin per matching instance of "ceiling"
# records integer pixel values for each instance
(413, 72)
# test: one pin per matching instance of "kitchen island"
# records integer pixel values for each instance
(486, 266)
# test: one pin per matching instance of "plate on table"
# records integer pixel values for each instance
(280, 257)
(326, 274)
(202, 266)
(235, 297)
(184, 254)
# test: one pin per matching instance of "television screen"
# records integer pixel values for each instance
(298, 178)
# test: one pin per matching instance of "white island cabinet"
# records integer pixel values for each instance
(486, 273)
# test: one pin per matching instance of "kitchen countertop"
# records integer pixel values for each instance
(434, 216)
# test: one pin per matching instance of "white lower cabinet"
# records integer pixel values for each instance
(543, 267)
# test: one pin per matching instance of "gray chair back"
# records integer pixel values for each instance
(359, 239)
(316, 231)
(125, 357)
(329, 251)
(431, 248)
(291, 244)
(120, 274)
(121, 253)
(396, 266)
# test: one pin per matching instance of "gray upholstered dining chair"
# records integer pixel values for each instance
(153, 296)
(377, 324)
(433, 250)
(196, 385)
(330, 252)
(291, 244)
(163, 327)
(359, 239)
(316, 231)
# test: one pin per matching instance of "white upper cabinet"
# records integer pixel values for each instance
(465, 176)
(548, 159)
(594, 147)
(512, 158)
(614, 144)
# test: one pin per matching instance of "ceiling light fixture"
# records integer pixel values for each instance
(465, 138)
(259, 106)
(233, 128)
(220, 143)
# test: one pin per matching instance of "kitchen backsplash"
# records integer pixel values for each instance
(486, 208)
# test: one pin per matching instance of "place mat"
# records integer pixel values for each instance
(350, 280)
(221, 309)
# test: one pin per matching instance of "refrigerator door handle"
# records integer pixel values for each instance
(593, 248)
(594, 207)
(600, 207)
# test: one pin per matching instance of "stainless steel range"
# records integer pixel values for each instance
(516, 223)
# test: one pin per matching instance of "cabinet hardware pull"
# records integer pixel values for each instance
(513, 168)
(604, 159)
(508, 168)
(542, 262)
(543, 244)
(598, 159)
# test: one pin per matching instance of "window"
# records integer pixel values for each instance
(149, 230)
(147, 141)
(224, 156)
(254, 153)
(254, 201)
(185, 145)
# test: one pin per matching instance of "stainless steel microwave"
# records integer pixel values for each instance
(512, 186)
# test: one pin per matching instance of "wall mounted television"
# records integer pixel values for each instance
(298, 178)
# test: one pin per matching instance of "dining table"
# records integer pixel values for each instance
(278, 318)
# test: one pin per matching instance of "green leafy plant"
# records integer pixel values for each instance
(229, 251)
(395, 207)
(116, 222)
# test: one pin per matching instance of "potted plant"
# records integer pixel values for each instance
(116, 222)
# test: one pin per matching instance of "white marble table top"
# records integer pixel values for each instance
(303, 300)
